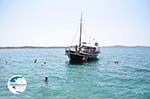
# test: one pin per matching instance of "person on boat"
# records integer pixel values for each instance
(85, 49)
(76, 47)
(96, 44)
(94, 50)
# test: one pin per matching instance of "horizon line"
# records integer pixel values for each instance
(67, 46)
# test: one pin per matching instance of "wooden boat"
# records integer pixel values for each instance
(82, 52)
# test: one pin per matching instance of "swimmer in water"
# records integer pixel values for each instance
(35, 60)
(46, 79)
(116, 62)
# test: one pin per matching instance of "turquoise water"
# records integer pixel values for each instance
(102, 79)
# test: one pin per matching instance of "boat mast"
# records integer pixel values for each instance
(80, 31)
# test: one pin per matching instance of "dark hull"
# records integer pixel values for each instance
(78, 57)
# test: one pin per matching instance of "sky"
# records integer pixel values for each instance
(56, 22)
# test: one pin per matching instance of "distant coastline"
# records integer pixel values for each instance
(41, 47)
(124, 46)
(30, 47)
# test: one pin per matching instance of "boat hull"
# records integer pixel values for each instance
(76, 56)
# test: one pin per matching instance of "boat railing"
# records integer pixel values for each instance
(66, 48)
(70, 48)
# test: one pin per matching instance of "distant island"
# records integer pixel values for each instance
(29, 47)
(124, 46)
(41, 47)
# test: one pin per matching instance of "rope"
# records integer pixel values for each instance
(75, 34)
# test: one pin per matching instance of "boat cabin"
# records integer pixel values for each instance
(88, 48)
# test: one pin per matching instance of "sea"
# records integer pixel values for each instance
(120, 73)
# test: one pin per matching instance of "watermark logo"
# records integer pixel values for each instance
(17, 84)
